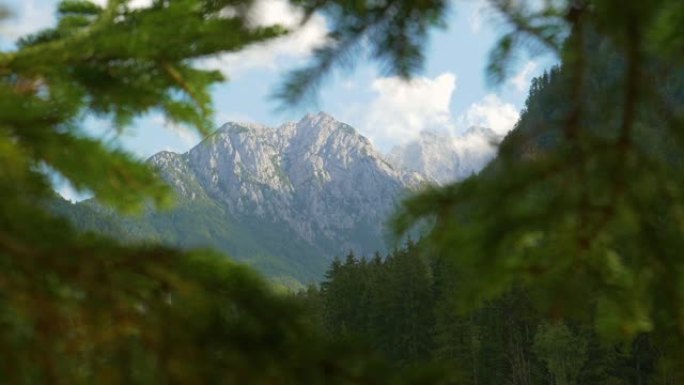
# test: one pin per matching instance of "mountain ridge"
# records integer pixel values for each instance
(284, 199)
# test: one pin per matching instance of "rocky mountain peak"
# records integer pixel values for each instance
(290, 198)
(318, 119)
(318, 129)
(317, 178)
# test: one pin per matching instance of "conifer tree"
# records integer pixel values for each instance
(583, 202)
(81, 309)
(592, 213)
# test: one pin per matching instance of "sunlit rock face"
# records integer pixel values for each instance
(290, 198)
(317, 178)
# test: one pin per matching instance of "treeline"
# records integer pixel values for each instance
(404, 307)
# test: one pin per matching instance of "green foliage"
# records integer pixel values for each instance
(81, 309)
(99, 312)
(116, 63)
(406, 308)
(583, 205)
(382, 301)
(563, 352)
(583, 209)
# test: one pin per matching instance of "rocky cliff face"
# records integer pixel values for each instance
(316, 179)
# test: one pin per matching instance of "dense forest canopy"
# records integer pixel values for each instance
(403, 306)
(589, 209)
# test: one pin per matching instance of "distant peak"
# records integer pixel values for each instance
(317, 118)
(163, 157)
(323, 115)
(239, 127)
(323, 122)
(167, 153)
(163, 154)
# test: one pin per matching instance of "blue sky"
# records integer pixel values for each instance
(451, 94)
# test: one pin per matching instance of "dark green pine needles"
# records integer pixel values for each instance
(593, 217)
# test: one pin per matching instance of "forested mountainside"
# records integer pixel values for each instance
(548, 116)
(560, 264)
(403, 305)
(417, 303)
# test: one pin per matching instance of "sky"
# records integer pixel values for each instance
(451, 94)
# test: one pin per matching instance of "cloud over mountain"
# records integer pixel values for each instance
(490, 112)
(401, 109)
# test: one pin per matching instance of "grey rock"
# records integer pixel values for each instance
(318, 177)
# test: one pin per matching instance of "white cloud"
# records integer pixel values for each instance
(521, 81)
(298, 44)
(458, 146)
(140, 3)
(133, 4)
(29, 17)
(490, 112)
(401, 110)
(271, 12)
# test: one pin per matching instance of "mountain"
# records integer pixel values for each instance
(286, 199)
(445, 158)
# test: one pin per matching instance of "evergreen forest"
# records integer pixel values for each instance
(402, 306)
(558, 264)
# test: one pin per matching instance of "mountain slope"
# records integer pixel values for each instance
(285, 199)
